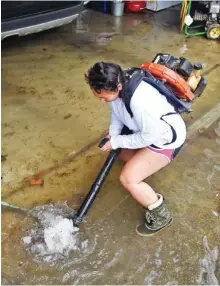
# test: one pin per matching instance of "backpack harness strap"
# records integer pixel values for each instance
(172, 129)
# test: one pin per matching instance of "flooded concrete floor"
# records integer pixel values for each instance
(48, 112)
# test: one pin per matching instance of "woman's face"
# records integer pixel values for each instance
(107, 95)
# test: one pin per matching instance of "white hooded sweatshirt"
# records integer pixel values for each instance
(147, 105)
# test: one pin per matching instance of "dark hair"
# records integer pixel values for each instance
(105, 76)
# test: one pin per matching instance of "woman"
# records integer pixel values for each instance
(151, 146)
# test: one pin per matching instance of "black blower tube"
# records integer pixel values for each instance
(96, 186)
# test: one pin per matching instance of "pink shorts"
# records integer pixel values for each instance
(170, 154)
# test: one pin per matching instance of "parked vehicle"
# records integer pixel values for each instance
(20, 18)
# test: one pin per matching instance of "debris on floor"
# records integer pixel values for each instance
(36, 181)
(3, 158)
(67, 116)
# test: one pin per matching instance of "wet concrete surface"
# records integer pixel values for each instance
(48, 112)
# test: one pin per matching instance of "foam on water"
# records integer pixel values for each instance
(53, 236)
(59, 238)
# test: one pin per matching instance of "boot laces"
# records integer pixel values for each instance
(150, 217)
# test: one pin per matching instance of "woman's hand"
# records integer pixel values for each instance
(108, 136)
(107, 147)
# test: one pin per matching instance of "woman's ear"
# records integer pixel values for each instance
(119, 86)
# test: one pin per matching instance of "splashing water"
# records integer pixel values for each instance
(59, 238)
(54, 236)
(208, 265)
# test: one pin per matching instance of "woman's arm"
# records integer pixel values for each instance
(115, 125)
(147, 135)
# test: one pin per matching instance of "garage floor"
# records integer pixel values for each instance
(49, 116)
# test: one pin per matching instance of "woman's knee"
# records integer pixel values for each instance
(126, 179)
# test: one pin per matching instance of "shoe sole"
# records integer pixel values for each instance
(153, 233)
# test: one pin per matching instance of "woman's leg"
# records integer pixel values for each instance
(141, 165)
(126, 154)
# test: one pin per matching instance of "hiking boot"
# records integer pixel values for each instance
(157, 217)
